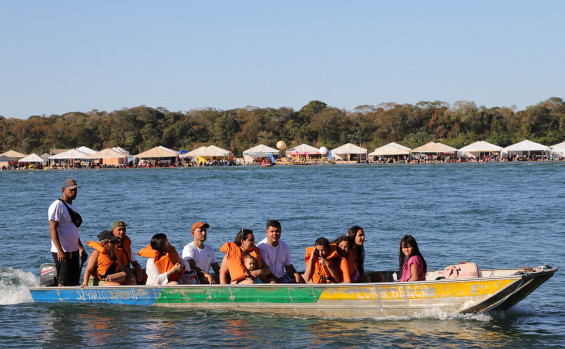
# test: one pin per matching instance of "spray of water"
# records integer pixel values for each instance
(14, 285)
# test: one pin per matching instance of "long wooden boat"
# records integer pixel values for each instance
(497, 289)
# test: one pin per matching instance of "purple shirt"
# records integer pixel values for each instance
(417, 261)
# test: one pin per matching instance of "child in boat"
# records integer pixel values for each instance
(250, 264)
(411, 261)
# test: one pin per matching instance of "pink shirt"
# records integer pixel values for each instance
(417, 261)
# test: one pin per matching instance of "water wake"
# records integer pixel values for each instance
(14, 285)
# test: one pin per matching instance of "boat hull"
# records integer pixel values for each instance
(330, 300)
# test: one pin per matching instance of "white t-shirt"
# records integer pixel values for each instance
(68, 231)
(275, 257)
(203, 257)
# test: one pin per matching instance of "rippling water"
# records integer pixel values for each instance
(497, 215)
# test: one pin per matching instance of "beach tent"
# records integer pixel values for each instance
(220, 150)
(205, 153)
(524, 147)
(475, 149)
(158, 152)
(261, 151)
(434, 148)
(32, 158)
(5, 161)
(45, 157)
(110, 156)
(71, 155)
(349, 151)
(303, 149)
(558, 149)
(13, 154)
(86, 150)
(391, 149)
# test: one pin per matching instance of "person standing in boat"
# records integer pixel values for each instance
(411, 261)
(276, 254)
(201, 257)
(66, 246)
(232, 267)
(123, 251)
(320, 265)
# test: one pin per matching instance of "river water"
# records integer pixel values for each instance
(499, 215)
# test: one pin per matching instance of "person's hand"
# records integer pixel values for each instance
(82, 286)
(61, 256)
(323, 261)
(314, 254)
(209, 278)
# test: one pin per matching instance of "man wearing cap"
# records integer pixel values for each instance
(276, 254)
(66, 246)
(201, 257)
(123, 250)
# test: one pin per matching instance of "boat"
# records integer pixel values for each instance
(497, 289)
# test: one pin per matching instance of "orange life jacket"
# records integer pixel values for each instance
(321, 274)
(104, 261)
(235, 260)
(123, 253)
(163, 262)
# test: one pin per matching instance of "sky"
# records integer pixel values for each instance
(64, 56)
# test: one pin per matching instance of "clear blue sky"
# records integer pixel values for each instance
(62, 56)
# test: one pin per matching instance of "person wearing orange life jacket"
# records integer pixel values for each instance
(232, 267)
(103, 262)
(164, 266)
(348, 269)
(320, 267)
(124, 253)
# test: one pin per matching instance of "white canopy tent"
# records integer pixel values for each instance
(391, 149)
(435, 148)
(303, 149)
(474, 149)
(558, 149)
(86, 150)
(261, 151)
(349, 151)
(206, 152)
(524, 147)
(32, 158)
(71, 155)
(110, 156)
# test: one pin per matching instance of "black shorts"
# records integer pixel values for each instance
(68, 273)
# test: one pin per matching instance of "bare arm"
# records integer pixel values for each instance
(413, 273)
(53, 226)
(292, 272)
(90, 267)
(224, 270)
(216, 267)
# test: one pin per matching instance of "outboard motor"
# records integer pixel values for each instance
(48, 275)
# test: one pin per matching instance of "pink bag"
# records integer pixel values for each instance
(462, 270)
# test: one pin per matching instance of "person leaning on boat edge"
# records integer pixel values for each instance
(201, 257)
(276, 255)
(123, 251)
(66, 246)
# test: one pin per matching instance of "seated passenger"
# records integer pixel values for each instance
(250, 264)
(344, 247)
(357, 234)
(201, 257)
(103, 267)
(124, 253)
(321, 266)
(164, 266)
(411, 261)
(232, 267)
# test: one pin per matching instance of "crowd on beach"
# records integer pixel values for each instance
(113, 262)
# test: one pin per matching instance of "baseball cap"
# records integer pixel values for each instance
(116, 224)
(199, 225)
(107, 235)
(70, 184)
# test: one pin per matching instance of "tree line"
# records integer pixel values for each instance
(141, 128)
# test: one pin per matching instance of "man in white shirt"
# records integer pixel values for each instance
(65, 241)
(276, 254)
(201, 257)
